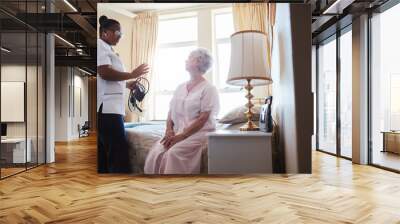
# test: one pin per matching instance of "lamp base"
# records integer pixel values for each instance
(249, 126)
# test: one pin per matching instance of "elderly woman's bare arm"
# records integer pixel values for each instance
(197, 124)
(169, 131)
(170, 123)
(190, 130)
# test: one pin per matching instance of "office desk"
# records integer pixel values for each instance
(391, 141)
(13, 150)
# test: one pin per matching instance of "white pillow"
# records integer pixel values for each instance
(237, 115)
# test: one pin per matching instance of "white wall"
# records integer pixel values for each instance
(68, 81)
(79, 118)
(61, 103)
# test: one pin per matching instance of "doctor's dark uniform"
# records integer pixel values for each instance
(113, 154)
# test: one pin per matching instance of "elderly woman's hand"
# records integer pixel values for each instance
(173, 140)
(168, 134)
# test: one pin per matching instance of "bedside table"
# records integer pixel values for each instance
(239, 152)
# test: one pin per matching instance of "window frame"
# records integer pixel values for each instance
(334, 37)
(217, 41)
(370, 151)
(211, 41)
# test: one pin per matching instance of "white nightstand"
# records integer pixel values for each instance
(239, 152)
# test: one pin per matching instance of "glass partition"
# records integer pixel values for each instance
(327, 96)
(13, 103)
(334, 94)
(22, 78)
(346, 94)
(385, 89)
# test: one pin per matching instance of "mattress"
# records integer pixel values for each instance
(142, 136)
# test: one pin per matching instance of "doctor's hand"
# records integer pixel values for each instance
(140, 70)
(130, 84)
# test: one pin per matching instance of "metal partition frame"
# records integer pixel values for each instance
(30, 29)
(333, 37)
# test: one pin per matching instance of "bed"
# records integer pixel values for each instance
(143, 135)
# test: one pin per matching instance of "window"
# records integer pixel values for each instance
(22, 74)
(186, 26)
(334, 94)
(230, 96)
(394, 101)
(327, 96)
(173, 49)
(385, 89)
(346, 94)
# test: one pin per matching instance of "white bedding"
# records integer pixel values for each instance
(142, 137)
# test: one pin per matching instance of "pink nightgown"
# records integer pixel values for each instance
(185, 107)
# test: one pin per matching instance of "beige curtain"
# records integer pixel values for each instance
(256, 16)
(144, 40)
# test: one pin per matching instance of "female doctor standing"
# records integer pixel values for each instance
(112, 156)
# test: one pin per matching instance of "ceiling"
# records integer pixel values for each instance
(23, 48)
(328, 16)
(73, 20)
(141, 7)
(80, 27)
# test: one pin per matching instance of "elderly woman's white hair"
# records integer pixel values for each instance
(204, 58)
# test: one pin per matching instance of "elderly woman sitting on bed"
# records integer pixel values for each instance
(193, 110)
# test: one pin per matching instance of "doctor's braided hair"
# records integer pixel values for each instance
(106, 23)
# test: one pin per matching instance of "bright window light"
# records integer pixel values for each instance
(172, 51)
(224, 54)
(178, 30)
(230, 96)
(171, 67)
(224, 25)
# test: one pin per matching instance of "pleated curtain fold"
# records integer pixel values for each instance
(144, 42)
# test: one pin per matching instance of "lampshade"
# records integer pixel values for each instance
(248, 59)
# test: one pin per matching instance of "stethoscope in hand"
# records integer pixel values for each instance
(138, 93)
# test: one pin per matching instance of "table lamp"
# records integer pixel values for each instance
(248, 67)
